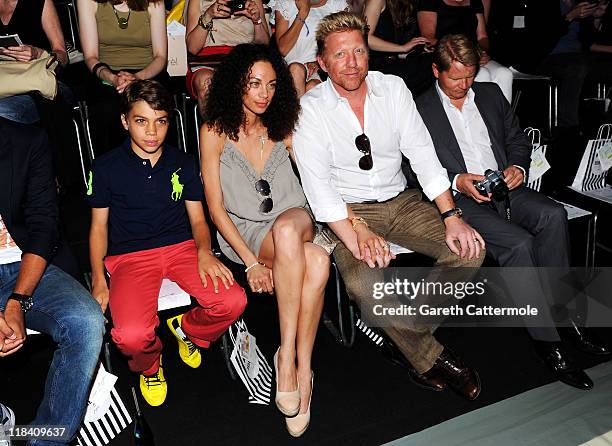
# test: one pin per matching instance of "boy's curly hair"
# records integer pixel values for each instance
(223, 111)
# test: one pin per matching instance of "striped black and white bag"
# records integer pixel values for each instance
(106, 414)
(250, 364)
(539, 164)
(591, 176)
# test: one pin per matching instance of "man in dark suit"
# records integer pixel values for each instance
(36, 294)
(473, 130)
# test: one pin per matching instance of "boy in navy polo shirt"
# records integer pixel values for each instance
(147, 215)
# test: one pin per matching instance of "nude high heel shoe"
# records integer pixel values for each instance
(287, 402)
(298, 424)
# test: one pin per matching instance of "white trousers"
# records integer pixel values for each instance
(497, 73)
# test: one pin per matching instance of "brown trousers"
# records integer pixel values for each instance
(409, 222)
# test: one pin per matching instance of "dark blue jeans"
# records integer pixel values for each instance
(67, 312)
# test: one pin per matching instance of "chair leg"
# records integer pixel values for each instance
(227, 351)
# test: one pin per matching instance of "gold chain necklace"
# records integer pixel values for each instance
(122, 22)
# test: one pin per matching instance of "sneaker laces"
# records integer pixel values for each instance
(153, 380)
(191, 346)
(179, 331)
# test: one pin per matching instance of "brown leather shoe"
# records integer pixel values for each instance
(451, 369)
(393, 355)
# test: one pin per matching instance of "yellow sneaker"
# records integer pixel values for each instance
(154, 388)
(188, 351)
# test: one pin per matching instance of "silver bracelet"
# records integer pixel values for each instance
(252, 266)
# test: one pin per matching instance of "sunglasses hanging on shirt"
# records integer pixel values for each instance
(362, 142)
(263, 188)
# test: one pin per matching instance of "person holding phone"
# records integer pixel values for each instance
(296, 23)
(37, 25)
(396, 46)
(215, 27)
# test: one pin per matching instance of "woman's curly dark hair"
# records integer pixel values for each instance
(223, 111)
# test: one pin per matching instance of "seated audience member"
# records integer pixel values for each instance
(213, 28)
(122, 42)
(296, 24)
(37, 24)
(438, 18)
(36, 294)
(147, 216)
(260, 210)
(602, 38)
(395, 43)
(559, 34)
(467, 144)
(352, 133)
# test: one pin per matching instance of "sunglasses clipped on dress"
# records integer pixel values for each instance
(263, 188)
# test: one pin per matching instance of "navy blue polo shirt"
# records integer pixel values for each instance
(146, 204)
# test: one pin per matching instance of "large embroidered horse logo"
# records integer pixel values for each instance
(177, 187)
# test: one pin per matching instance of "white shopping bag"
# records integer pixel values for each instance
(106, 415)
(250, 364)
(177, 49)
(591, 173)
(539, 164)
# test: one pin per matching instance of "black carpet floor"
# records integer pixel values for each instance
(359, 398)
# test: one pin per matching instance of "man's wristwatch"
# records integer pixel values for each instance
(453, 212)
(24, 300)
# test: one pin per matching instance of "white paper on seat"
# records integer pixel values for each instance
(397, 249)
(171, 296)
(573, 211)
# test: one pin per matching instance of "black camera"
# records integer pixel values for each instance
(493, 184)
(236, 5)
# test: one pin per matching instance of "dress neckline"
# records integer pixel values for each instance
(277, 144)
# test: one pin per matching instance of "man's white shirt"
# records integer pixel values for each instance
(471, 133)
(328, 160)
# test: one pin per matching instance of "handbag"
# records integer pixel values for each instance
(23, 77)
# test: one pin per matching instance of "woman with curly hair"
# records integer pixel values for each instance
(260, 210)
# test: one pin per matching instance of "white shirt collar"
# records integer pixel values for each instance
(332, 98)
(469, 99)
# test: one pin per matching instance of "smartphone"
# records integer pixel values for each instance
(236, 5)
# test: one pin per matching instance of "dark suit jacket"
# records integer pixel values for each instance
(510, 145)
(27, 190)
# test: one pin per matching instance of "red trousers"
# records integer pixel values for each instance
(135, 281)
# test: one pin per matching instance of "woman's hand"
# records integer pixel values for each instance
(260, 279)
(22, 53)
(218, 10)
(251, 11)
(311, 69)
(373, 249)
(414, 42)
(122, 80)
(581, 11)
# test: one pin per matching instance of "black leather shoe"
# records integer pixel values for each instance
(455, 374)
(393, 355)
(561, 365)
(584, 340)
